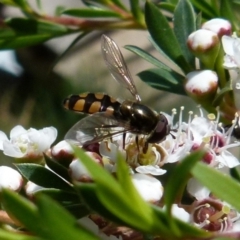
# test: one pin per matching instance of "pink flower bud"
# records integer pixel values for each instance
(219, 26)
(10, 178)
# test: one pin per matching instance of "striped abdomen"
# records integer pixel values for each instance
(91, 103)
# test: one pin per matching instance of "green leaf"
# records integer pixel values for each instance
(221, 185)
(226, 11)
(57, 168)
(178, 179)
(114, 197)
(137, 11)
(8, 2)
(235, 173)
(47, 219)
(90, 13)
(184, 22)
(148, 57)
(6, 235)
(207, 10)
(119, 4)
(65, 225)
(23, 210)
(167, 6)
(42, 176)
(70, 201)
(21, 3)
(30, 26)
(163, 80)
(23, 32)
(219, 96)
(88, 192)
(163, 35)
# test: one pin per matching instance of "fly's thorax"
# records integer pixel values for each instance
(142, 118)
(91, 103)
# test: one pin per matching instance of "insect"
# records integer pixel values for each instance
(110, 117)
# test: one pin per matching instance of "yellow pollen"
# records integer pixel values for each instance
(211, 116)
(206, 139)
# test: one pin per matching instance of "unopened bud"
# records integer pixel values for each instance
(63, 153)
(10, 179)
(218, 25)
(205, 45)
(201, 85)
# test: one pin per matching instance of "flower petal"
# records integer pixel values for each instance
(16, 131)
(3, 137)
(150, 169)
(12, 150)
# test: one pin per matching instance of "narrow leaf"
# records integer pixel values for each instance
(6, 235)
(207, 10)
(226, 11)
(177, 180)
(148, 57)
(163, 35)
(167, 6)
(65, 225)
(184, 24)
(163, 80)
(23, 210)
(23, 32)
(223, 186)
(90, 13)
(30, 26)
(219, 96)
(137, 11)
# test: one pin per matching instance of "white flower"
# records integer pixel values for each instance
(231, 46)
(10, 178)
(148, 187)
(27, 143)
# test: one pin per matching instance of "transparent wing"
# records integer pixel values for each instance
(95, 128)
(117, 66)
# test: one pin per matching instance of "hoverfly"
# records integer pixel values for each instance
(110, 117)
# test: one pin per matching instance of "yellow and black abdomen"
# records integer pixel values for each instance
(91, 103)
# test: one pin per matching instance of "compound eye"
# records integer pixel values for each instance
(161, 131)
